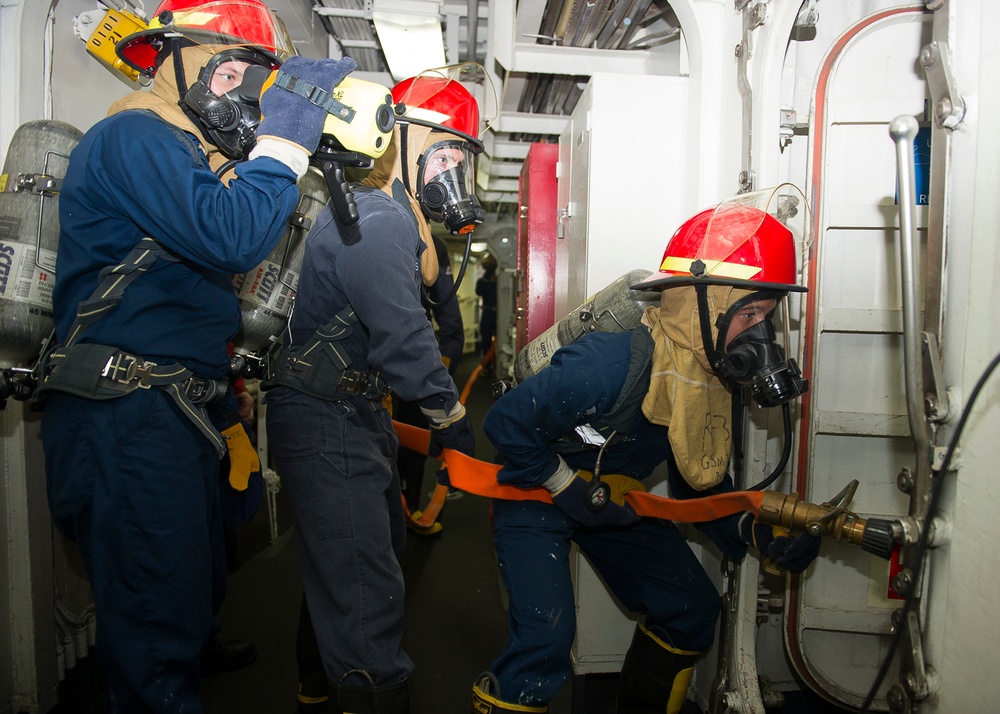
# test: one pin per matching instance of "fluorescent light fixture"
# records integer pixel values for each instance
(410, 34)
(478, 247)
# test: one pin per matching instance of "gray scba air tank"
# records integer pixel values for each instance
(29, 234)
(615, 308)
(266, 292)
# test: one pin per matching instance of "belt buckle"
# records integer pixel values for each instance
(195, 388)
(354, 381)
(134, 369)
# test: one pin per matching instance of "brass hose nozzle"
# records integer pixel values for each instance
(831, 519)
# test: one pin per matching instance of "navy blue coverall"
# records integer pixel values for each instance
(337, 457)
(131, 480)
(649, 566)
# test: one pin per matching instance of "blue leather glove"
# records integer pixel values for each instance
(441, 475)
(458, 436)
(288, 106)
(791, 553)
(575, 500)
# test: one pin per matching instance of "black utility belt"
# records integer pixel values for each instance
(327, 379)
(101, 372)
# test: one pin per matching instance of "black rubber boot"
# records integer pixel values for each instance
(220, 657)
(314, 687)
(655, 676)
(486, 699)
(369, 699)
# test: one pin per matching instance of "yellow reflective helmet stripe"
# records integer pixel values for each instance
(190, 18)
(717, 268)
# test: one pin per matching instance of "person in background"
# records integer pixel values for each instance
(144, 311)
(628, 402)
(357, 328)
(486, 289)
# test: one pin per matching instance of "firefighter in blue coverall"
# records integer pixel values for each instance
(608, 399)
(144, 311)
(357, 328)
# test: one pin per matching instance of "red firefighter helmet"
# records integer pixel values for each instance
(736, 243)
(210, 22)
(441, 103)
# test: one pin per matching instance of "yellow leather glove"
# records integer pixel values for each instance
(243, 459)
(619, 483)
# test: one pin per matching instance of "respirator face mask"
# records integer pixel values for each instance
(230, 115)
(755, 357)
(445, 191)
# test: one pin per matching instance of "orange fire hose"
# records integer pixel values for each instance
(425, 519)
(480, 478)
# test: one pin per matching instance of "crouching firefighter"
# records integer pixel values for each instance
(144, 310)
(358, 326)
(593, 424)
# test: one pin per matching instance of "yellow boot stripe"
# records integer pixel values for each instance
(310, 700)
(661, 643)
(678, 692)
(484, 703)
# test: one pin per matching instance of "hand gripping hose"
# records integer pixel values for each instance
(425, 520)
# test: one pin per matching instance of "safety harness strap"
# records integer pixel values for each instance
(113, 281)
(480, 478)
(101, 372)
(323, 368)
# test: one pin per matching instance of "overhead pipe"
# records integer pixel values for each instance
(471, 37)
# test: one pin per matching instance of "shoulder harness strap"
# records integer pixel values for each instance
(323, 369)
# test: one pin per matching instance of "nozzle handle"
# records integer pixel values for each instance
(878, 538)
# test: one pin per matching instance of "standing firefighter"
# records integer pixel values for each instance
(358, 328)
(144, 311)
(626, 402)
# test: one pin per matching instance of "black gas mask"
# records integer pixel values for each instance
(448, 196)
(229, 120)
(755, 358)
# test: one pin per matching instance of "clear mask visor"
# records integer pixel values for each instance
(754, 340)
(447, 191)
(226, 98)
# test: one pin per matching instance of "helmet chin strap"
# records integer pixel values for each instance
(182, 90)
(404, 158)
(715, 357)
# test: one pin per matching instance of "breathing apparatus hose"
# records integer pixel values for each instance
(922, 545)
(458, 280)
(786, 450)
(221, 171)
